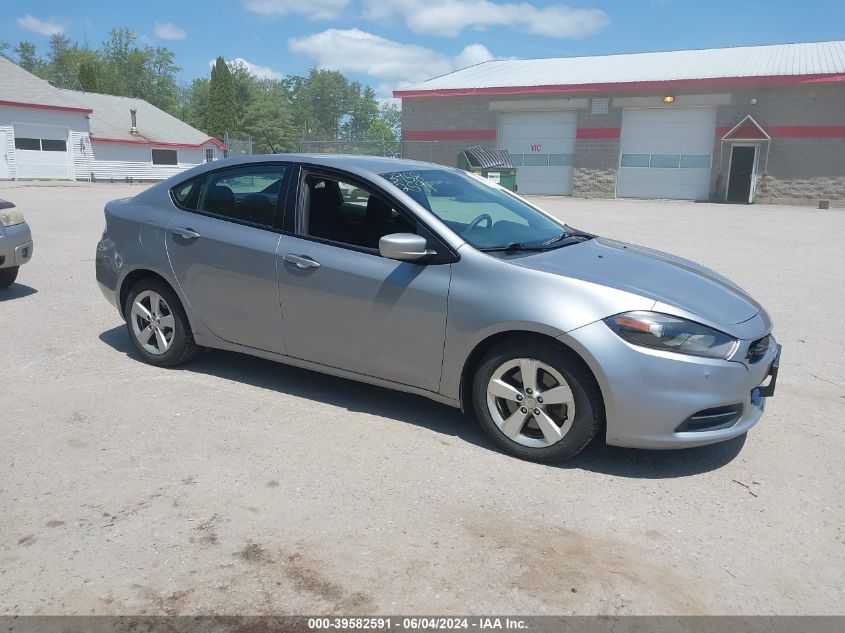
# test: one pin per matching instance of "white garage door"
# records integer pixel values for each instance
(666, 153)
(541, 144)
(41, 152)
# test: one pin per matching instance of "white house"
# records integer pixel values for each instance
(50, 133)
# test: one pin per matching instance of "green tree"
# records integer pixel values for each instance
(221, 115)
(27, 58)
(88, 76)
(268, 119)
(364, 112)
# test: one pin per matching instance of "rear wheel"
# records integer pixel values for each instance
(8, 276)
(157, 324)
(537, 401)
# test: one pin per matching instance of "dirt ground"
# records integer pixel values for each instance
(236, 485)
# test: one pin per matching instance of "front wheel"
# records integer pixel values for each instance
(157, 324)
(8, 276)
(537, 401)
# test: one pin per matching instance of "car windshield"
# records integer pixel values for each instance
(482, 213)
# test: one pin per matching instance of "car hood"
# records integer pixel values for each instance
(649, 273)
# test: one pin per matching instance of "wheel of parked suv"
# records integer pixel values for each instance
(158, 325)
(537, 401)
(8, 276)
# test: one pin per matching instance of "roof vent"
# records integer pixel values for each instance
(599, 105)
(133, 113)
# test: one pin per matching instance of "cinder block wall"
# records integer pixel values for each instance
(799, 169)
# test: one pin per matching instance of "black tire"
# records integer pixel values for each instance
(589, 406)
(183, 348)
(8, 276)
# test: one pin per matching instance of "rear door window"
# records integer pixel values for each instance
(245, 194)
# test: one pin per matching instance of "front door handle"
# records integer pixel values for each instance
(187, 233)
(301, 261)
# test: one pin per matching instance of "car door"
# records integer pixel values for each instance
(348, 307)
(222, 248)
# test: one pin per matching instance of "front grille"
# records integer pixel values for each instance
(758, 349)
(711, 419)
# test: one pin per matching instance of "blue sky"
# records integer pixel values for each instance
(391, 43)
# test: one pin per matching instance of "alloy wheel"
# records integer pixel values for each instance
(153, 323)
(531, 402)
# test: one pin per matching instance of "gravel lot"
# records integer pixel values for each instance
(236, 485)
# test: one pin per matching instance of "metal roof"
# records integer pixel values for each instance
(780, 60)
(18, 86)
(110, 119)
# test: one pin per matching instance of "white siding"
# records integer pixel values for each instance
(9, 149)
(54, 124)
(120, 161)
(82, 155)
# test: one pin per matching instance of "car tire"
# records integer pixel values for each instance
(8, 276)
(173, 343)
(577, 428)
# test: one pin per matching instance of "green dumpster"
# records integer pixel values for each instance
(493, 164)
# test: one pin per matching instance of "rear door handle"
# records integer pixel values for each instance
(301, 261)
(187, 233)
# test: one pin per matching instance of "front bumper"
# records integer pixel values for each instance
(649, 394)
(15, 245)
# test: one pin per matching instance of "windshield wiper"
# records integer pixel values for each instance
(513, 246)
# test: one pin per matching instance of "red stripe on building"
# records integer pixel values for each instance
(660, 86)
(121, 141)
(806, 131)
(796, 131)
(448, 135)
(597, 132)
(40, 106)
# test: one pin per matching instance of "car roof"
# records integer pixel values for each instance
(356, 162)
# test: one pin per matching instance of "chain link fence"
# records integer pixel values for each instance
(238, 144)
(429, 151)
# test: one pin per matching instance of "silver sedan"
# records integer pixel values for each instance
(15, 243)
(429, 280)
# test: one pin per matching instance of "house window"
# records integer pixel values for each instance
(40, 144)
(209, 154)
(165, 157)
(50, 145)
(28, 143)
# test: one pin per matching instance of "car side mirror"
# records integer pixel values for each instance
(405, 247)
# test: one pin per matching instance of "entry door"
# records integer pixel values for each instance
(4, 156)
(222, 249)
(741, 174)
(542, 145)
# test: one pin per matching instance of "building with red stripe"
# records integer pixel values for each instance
(49, 133)
(737, 124)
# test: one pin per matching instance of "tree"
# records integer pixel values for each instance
(27, 58)
(221, 116)
(268, 120)
(364, 113)
(88, 76)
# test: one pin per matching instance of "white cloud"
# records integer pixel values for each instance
(357, 51)
(168, 31)
(313, 9)
(472, 55)
(447, 18)
(43, 27)
(262, 72)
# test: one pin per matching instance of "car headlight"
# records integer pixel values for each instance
(671, 334)
(10, 217)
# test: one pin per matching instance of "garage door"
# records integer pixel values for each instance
(666, 153)
(542, 144)
(41, 152)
